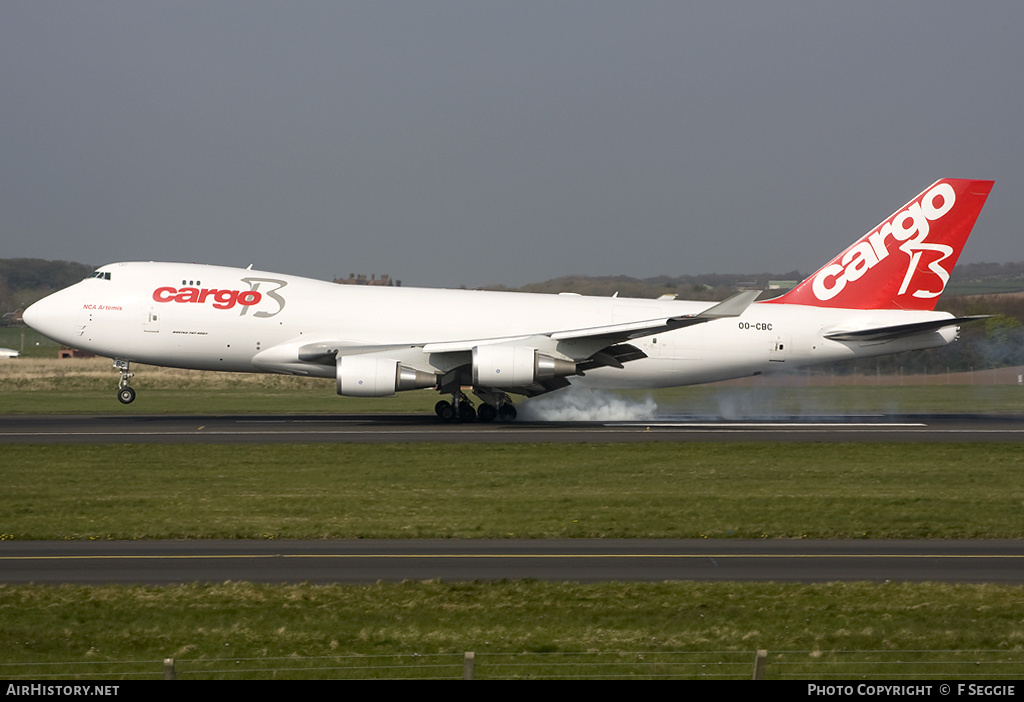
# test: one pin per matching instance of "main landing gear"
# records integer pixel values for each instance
(496, 406)
(125, 393)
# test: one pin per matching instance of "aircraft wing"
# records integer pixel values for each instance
(599, 337)
(730, 307)
(591, 337)
(592, 347)
(588, 347)
(899, 330)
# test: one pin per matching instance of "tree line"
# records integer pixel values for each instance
(25, 280)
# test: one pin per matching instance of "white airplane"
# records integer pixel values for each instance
(876, 297)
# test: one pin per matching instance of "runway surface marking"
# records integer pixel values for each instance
(476, 430)
(413, 429)
(509, 556)
(771, 426)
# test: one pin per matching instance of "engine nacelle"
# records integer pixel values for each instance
(369, 376)
(515, 366)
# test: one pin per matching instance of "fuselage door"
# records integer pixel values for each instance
(152, 323)
(779, 348)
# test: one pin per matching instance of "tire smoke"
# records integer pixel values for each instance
(582, 405)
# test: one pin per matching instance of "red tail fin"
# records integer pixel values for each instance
(904, 262)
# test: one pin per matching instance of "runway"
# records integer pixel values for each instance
(582, 560)
(368, 561)
(369, 428)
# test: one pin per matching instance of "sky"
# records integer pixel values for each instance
(482, 142)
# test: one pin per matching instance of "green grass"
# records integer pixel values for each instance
(318, 399)
(183, 392)
(233, 630)
(88, 386)
(651, 490)
(28, 342)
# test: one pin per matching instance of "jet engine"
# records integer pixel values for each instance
(516, 366)
(369, 376)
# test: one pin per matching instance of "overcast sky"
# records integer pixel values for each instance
(486, 142)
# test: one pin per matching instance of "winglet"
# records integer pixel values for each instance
(732, 306)
(904, 262)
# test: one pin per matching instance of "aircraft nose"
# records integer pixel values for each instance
(34, 315)
(48, 316)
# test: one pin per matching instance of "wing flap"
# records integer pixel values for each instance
(614, 356)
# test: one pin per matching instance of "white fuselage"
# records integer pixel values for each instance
(230, 319)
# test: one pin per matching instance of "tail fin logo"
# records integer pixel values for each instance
(909, 226)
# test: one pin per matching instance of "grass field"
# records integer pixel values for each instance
(680, 629)
(87, 386)
(650, 490)
(763, 490)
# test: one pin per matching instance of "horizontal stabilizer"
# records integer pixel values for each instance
(900, 330)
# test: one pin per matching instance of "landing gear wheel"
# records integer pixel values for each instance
(445, 411)
(124, 391)
(494, 405)
(466, 412)
(487, 413)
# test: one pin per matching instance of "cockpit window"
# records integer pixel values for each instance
(101, 275)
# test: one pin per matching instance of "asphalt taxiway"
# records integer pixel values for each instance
(577, 560)
(368, 428)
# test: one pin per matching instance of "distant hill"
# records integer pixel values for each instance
(986, 278)
(712, 286)
(967, 279)
(25, 280)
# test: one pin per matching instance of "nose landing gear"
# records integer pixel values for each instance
(125, 393)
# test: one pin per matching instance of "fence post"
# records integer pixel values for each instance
(467, 665)
(759, 662)
(169, 669)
